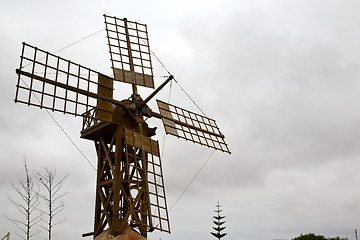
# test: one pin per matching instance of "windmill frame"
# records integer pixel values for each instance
(130, 187)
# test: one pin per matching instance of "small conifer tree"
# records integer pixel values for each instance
(218, 223)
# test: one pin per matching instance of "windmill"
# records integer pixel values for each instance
(129, 186)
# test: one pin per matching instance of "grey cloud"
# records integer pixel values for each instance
(282, 80)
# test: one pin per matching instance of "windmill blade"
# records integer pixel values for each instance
(51, 82)
(139, 148)
(191, 126)
(129, 51)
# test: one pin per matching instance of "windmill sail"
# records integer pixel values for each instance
(51, 82)
(129, 51)
(191, 126)
(147, 196)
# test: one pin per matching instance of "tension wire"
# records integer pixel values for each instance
(192, 180)
(62, 129)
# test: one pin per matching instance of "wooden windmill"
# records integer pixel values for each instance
(130, 187)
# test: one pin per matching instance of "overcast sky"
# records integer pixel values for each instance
(281, 78)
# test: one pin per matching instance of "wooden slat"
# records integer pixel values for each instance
(62, 85)
(128, 71)
(191, 126)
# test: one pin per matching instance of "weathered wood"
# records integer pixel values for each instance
(127, 234)
(130, 53)
(105, 89)
(129, 187)
(191, 126)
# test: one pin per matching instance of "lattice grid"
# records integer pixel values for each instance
(138, 148)
(191, 126)
(129, 51)
(51, 82)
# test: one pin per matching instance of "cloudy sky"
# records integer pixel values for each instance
(281, 77)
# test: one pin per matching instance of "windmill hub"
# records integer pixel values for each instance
(135, 108)
(138, 105)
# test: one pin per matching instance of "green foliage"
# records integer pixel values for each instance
(311, 236)
(337, 238)
(218, 228)
(218, 235)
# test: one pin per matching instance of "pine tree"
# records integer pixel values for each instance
(218, 223)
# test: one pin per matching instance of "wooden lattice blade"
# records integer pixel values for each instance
(139, 147)
(191, 126)
(51, 82)
(129, 51)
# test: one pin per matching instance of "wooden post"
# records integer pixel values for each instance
(132, 69)
(356, 237)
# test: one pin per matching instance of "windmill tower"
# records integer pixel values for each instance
(130, 186)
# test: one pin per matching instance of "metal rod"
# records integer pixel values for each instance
(87, 234)
(171, 77)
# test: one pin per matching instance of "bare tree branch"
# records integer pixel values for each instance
(52, 197)
(26, 202)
